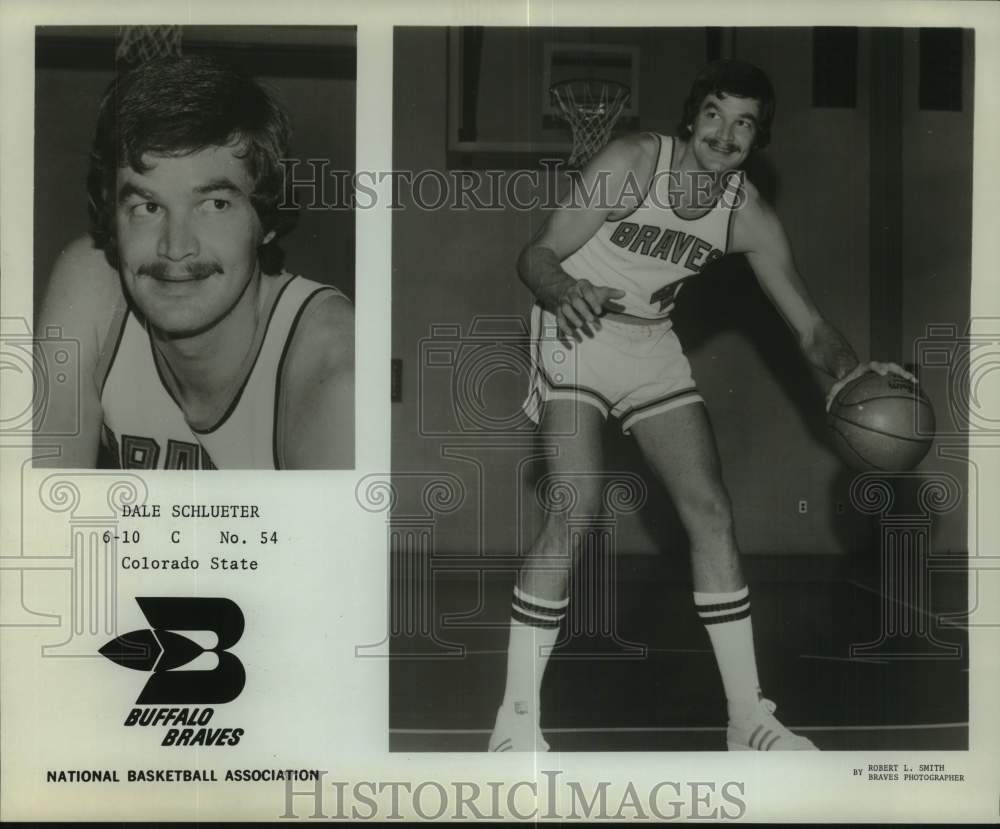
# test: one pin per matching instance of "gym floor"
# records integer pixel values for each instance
(601, 694)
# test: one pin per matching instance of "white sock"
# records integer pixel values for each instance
(534, 628)
(726, 617)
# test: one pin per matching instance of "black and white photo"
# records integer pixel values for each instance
(631, 371)
(717, 518)
(193, 345)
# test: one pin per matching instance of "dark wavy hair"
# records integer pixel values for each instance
(178, 106)
(731, 77)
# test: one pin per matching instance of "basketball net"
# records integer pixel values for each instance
(592, 107)
(138, 44)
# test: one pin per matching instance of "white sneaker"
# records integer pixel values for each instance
(760, 731)
(517, 729)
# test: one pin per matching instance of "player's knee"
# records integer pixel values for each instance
(563, 528)
(708, 514)
(560, 523)
(577, 497)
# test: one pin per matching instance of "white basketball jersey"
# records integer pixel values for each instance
(649, 252)
(145, 427)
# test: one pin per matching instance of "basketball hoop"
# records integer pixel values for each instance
(592, 107)
(138, 44)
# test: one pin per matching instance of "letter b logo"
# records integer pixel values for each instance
(160, 650)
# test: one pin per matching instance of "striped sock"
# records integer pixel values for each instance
(726, 617)
(534, 628)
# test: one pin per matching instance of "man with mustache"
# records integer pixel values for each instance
(197, 350)
(605, 277)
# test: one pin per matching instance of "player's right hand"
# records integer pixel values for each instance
(581, 306)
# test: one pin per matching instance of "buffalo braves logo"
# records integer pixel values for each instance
(666, 296)
(160, 650)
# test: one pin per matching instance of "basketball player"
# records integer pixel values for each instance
(605, 277)
(196, 349)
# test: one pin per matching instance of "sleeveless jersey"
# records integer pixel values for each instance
(144, 425)
(649, 252)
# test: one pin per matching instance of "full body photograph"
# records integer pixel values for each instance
(606, 278)
(625, 514)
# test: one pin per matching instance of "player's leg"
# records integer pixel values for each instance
(680, 447)
(573, 431)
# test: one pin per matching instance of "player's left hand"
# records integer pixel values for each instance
(864, 368)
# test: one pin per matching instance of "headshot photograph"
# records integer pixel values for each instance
(194, 247)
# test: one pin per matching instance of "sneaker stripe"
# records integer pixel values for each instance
(538, 609)
(707, 618)
(712, 608)
(545, 617)
(729, 617)
(534, 621)
(553, 604)
(503, 745)
(770, 745)
(753, 736)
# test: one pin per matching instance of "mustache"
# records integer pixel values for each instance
(194, 270)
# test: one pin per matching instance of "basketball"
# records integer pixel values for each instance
(881, 423)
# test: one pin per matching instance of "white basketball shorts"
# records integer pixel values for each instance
(631, 369)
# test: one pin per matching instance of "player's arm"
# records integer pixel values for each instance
(316, 415)
(79, 304)
(758, 233)
(577, 304)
